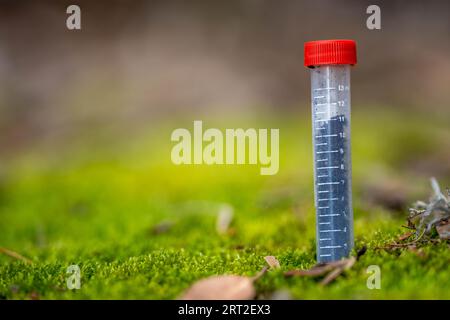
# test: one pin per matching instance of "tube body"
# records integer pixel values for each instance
(330, 93)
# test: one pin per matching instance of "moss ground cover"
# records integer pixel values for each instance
(98, 205)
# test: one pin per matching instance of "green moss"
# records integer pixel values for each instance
(97, 207)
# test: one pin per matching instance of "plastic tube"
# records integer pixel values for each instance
(330, 95)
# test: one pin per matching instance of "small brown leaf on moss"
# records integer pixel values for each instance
(272, 262)
(405, 236)
(226, 287)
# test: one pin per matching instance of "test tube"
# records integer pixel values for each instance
(330, 62)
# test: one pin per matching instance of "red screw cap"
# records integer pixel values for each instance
(330, 52)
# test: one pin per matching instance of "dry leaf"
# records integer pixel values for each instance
(348, 263)
(272, 262)
(317, 270)
(405, 236)
(331, 269)
(228, 287)
(331, 276)
(224, 219)
(443, 229)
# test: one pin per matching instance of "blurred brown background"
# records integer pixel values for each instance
(134, 62)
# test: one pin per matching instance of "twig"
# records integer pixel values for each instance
(15, 255)
(337, 272)
(401, 245)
